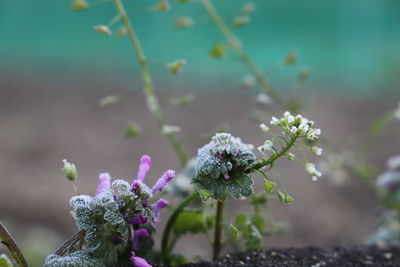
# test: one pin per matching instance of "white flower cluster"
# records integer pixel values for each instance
(267, 146)
(310, 168)
(297, 125)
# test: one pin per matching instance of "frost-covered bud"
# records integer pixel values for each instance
(163, 181)
(310, 168)
(290, 156)
(264, 128)
(176, 66)
(139, 262)
(275, 121)
(144, 167)
(240, 21)
(141, 189)
(163, 5)
(139, 234)
(266, 147)
(79, 5)
(104, 182)
(316, 150)
(103, 29)
(184, 22)
(69, 170)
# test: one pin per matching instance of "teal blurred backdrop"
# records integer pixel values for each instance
(352, 45)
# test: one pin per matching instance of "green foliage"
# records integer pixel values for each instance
(237, 187)
(190, 221)
(248, 233)
(5, 261)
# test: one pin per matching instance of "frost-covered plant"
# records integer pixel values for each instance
(225, 160)
(117, 222)
(225, 168)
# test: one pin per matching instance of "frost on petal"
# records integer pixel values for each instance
(140, 233)
(104, 182)
(144, 167)
(163, 181)
(139, 262)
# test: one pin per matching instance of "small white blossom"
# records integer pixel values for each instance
(290, 156)
(310, 168)
(267, 146)
(264, 127)
(275, 121)
(293, 130)
(316, 150)
(313, 134)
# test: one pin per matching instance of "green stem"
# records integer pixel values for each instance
(148, 87)
(165, 248)
(238, 48)
(274, 157)
(218, 230)
(9, 242)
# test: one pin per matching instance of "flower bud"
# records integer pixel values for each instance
(183, 22)
(176, 66)
(248, 8)
(239, 21)
(163, 5)
(79, 5)
(69, 170)
(290, 59)
(217, 51)
(103, 29)
(132, 130)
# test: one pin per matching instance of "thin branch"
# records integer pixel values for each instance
(72, 240)
(9, 242)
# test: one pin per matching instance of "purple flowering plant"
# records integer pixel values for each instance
(116, 224)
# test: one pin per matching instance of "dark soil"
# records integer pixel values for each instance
(311, 257)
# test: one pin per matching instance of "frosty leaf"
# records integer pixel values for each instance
(76, 259)
(189, 221)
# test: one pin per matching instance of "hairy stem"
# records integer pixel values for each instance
(9, 242)
(72, 240)
(217, 245)
(148, 87)
(238, 48)
(274, 157)
(166, 247)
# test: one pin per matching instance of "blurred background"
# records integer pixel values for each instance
(54, 68)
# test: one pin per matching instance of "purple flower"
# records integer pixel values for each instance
(104, 182)
(163, 181)
(138, 220)
(139, 262)
(144, 167)
(140, 233)
(160, 204)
